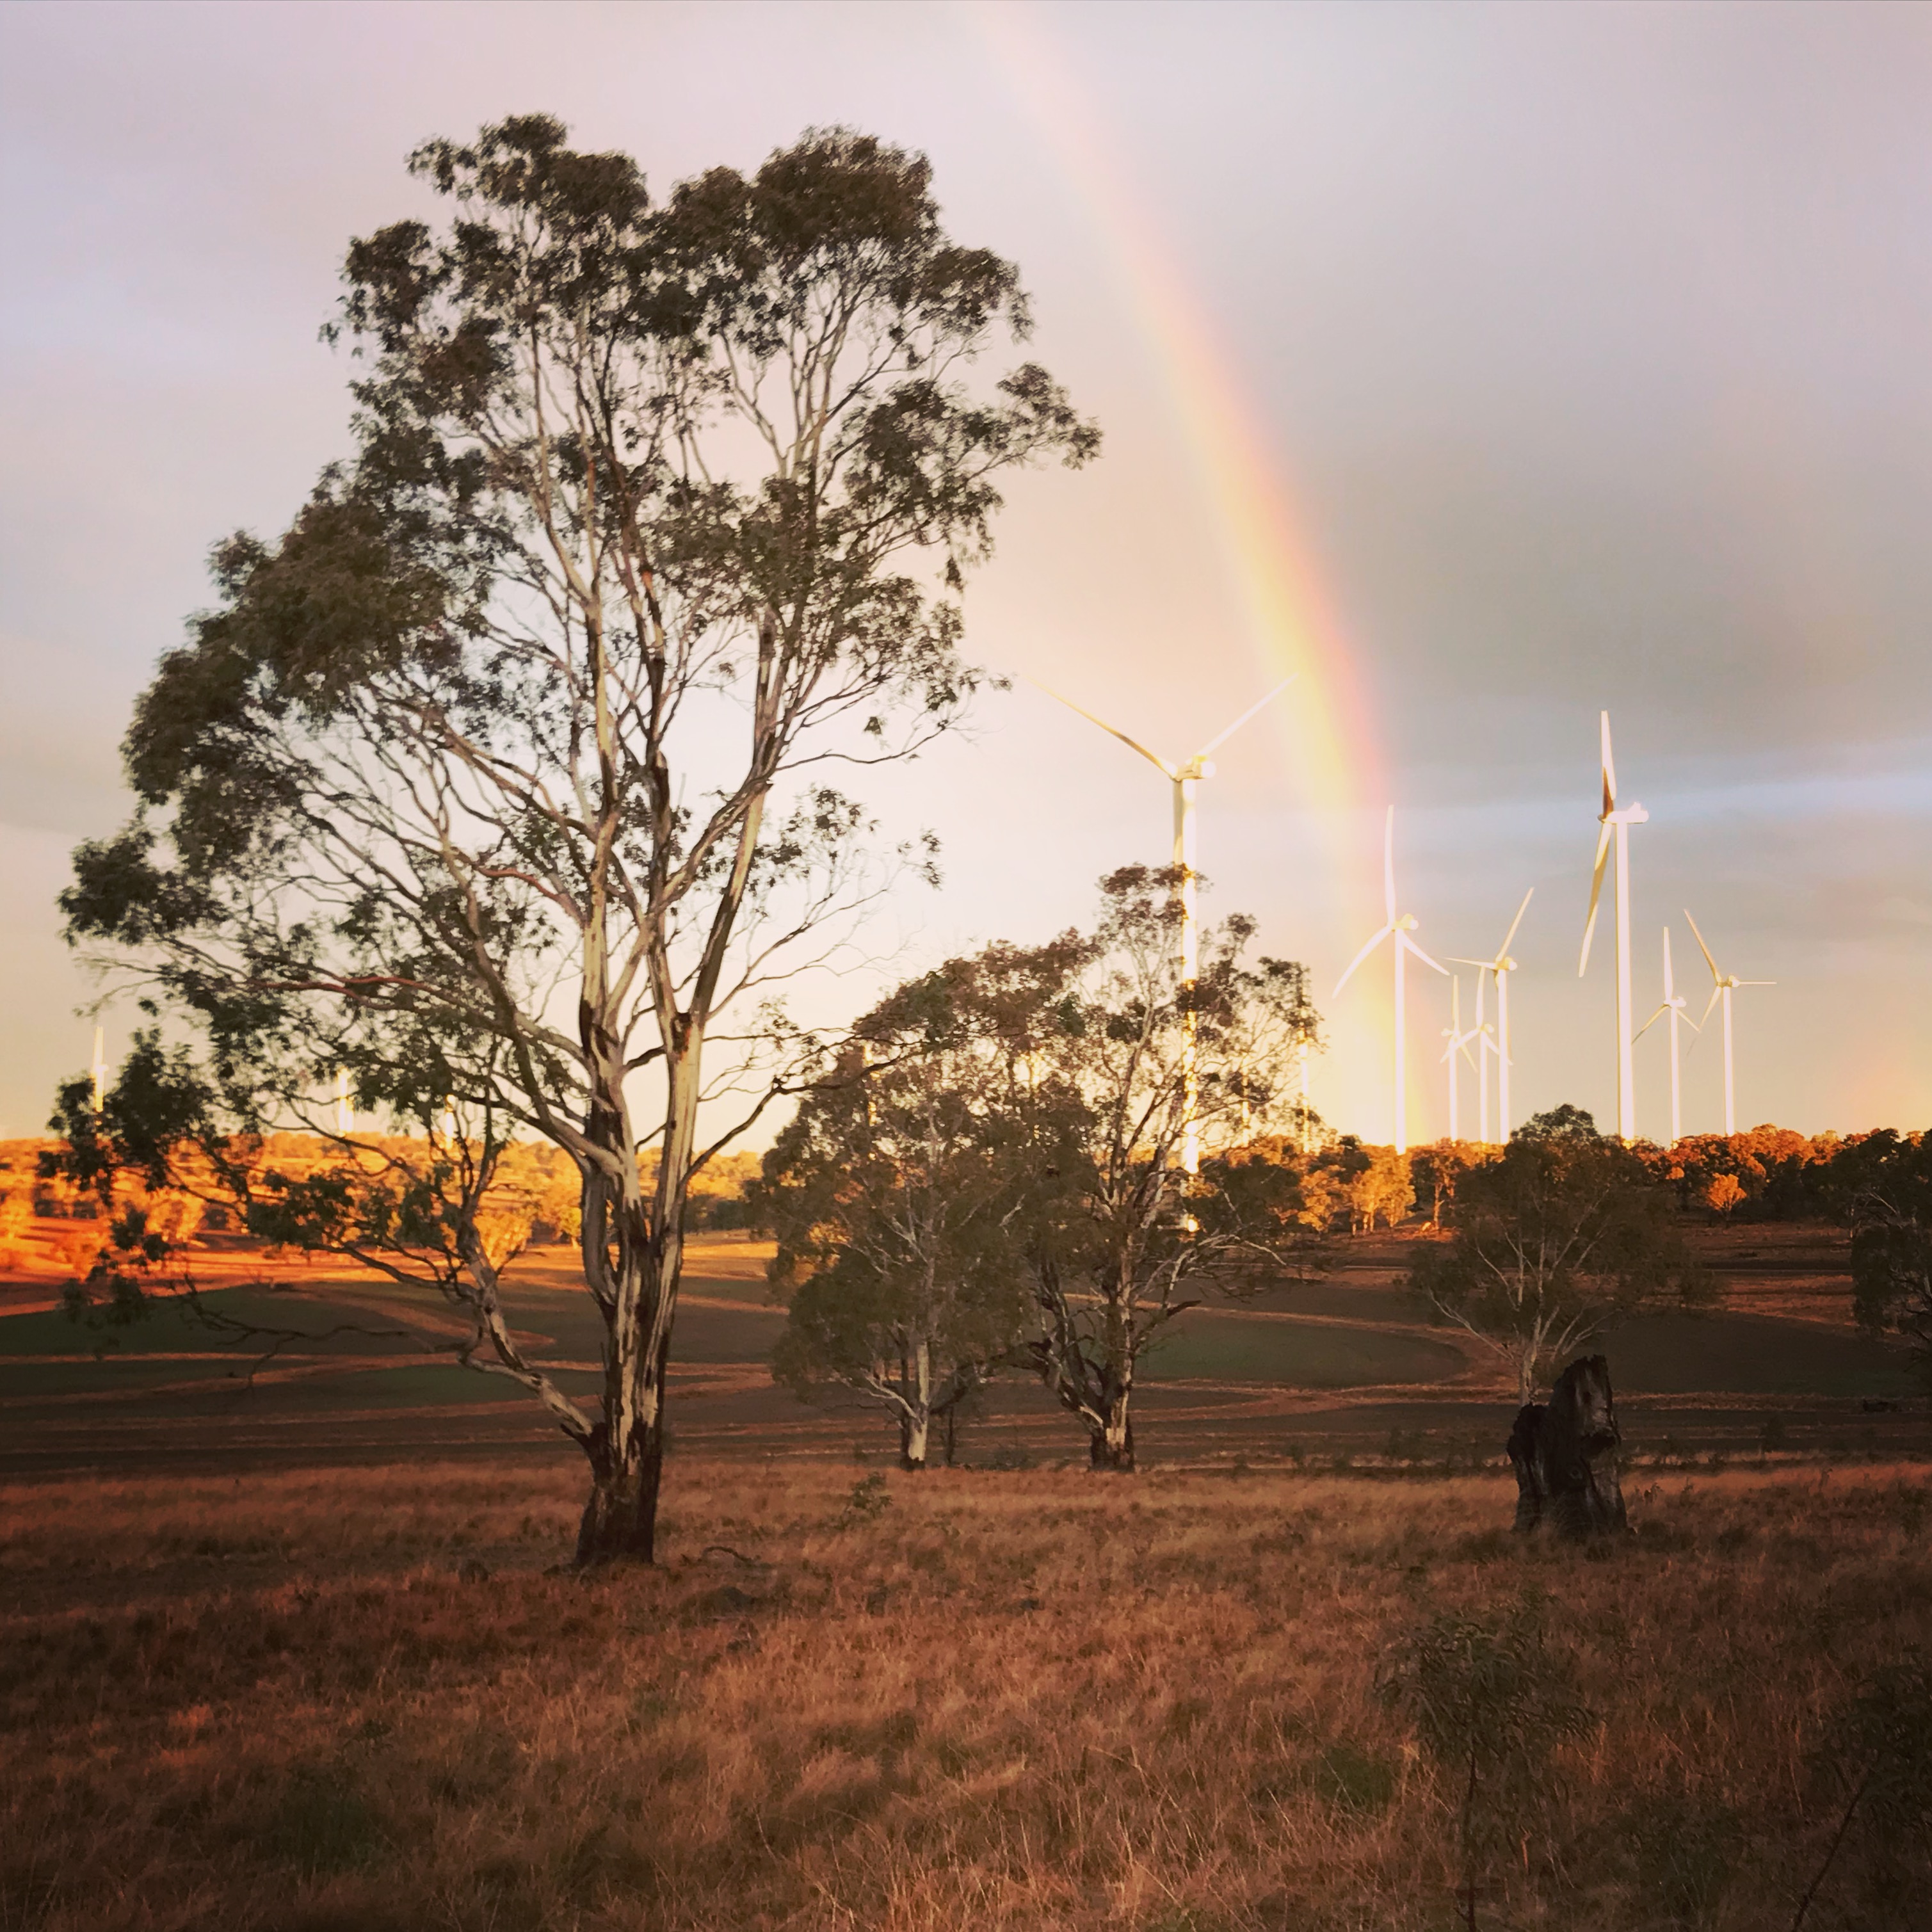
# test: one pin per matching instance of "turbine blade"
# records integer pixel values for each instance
(1596, 893)
(1380, 936)
(1402, 939)
(1388, 866)
(1480, 965)
(1716, 994)
(1132, 744)
(1609, 769)
(1467, 1054)
(1706, 950)
(1215, 744)
(1652, 1021)
(1502, 951)
(1754, 982)
(1669, 991)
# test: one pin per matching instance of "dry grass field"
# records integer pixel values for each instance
(363, 1699)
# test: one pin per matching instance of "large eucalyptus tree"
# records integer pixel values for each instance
(510, 767)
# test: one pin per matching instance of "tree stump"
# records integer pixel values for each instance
(1565, 1456)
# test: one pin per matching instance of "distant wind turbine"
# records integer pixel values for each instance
(1612, 819)
(1397, 927)
(345, 1114)
(1674, 1004)
(1184, 777)
(99, 1068)
(1459, 1044)
(1720, 989)
(1502, 966)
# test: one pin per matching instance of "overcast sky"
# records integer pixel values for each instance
(1590, 346)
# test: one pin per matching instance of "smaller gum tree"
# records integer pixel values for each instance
(1551, 1242)
(1002, 1173)
(1128, 1239)
(900, 1191)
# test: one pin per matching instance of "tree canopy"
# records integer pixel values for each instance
(1024, 1128)
(513, 764)
(1553, 1240)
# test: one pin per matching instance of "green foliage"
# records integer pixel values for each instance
(1561, 1123)
(433, 797)
(1354, 1779)
(1562, 1233)
(1489, 1697)
(1485, 1690)
(322, 1825)
(1000, 1149)
(869, 1500)
(1682, 1847)
(1877, 1748)
(1885, 1181)
(902, 1192)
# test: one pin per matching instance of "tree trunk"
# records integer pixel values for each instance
(1112, 1445)
(620, 1517)
(627, 1448)
(916, 1417)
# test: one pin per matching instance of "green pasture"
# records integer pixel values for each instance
(177, 1325)
(1750, 1354)
(1205, 1347)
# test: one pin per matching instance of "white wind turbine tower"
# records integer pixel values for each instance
(1612, 819)
(1398, 928)
(1502, 966)
(99, 1069)
(1459, 1043)
(345, 1114)
(1184, 778)
(1674, 1004)
(1720, 989)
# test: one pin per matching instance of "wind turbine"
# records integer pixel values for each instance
(1674, 1004)
(345, 1114)
(1612, 819)
(1720, 989)
(1184, 778)
(1398, 928)
(1502, 966)
(1459, 1043)
(99, 1067)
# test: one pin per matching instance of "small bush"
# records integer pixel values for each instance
(1353, 1779)
(321, 1824)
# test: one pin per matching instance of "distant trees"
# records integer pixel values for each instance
(1763, 1171)
(1004, 1174)
(1438, 1171)
(497, 779)
(1562, 1233)
(1384, 1190)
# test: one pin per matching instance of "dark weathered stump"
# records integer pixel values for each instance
(1565, 1456)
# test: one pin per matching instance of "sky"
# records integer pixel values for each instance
(1489, 367)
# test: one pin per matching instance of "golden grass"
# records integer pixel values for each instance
(1031, 1700)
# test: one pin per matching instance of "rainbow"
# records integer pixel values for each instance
(1325, 727)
